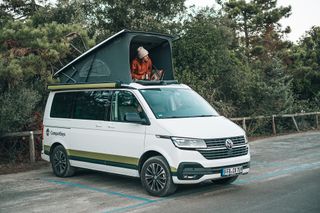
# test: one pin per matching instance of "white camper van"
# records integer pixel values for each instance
(162, 132)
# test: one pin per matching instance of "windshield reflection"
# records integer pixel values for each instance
(177, 103)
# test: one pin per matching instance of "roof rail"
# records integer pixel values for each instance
(54, 87)
(161, 82)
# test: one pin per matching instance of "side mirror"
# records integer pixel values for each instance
(134, 117)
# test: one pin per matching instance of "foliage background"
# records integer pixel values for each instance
(237, 57)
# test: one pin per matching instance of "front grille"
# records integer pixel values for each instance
(220, 142)
(224, 153)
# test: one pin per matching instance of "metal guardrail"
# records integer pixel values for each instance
(31, 134)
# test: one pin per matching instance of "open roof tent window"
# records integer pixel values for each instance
(159, 51)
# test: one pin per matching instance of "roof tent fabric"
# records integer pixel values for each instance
(110, 60)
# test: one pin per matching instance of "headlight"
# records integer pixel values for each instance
(188, 142)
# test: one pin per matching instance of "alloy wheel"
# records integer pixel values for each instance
(155, 177)
(60, 162)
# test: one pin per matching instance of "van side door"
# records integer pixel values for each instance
(88, 142)
(126, 138)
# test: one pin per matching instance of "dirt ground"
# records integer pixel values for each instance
(284, 177)
(21, 167)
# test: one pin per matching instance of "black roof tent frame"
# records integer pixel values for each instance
(134, 34)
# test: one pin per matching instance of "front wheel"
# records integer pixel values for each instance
(156, 177)
(60, 162)
(225, 181)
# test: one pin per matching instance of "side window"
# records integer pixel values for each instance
(124, 102)
(62, 105)
(92, 105)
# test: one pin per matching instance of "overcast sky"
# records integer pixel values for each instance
(305, 14)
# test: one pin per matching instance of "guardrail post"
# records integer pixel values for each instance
(31, 147)
(244, 124)
(317, 121)
(274, 125)
(295, 123)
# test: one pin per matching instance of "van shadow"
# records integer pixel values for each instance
(133, 185)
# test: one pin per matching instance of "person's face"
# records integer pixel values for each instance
(146, 58)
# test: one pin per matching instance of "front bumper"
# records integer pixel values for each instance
(191, 173)
(194, 164)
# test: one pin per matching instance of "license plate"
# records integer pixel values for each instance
(231, 171)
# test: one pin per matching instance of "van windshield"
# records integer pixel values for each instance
(177, 103)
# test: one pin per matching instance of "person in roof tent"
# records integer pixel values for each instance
(141, 66)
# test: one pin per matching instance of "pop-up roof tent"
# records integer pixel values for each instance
(110, 60)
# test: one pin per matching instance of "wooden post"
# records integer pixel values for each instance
(244, 124)
(274, 125)
(317, 121)
(31, 147)
(295, 123)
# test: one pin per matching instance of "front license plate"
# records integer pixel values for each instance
(231, 171)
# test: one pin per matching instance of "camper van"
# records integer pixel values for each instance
(161, 131)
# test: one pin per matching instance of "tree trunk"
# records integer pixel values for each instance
(246, 34)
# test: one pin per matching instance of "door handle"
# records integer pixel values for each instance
(98, 125)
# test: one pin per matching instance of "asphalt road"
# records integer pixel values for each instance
(284, 177)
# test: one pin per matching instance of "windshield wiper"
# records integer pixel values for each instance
(206, 116)
(194, 116)
(173, 117)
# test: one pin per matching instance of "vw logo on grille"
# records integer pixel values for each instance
(229, 144)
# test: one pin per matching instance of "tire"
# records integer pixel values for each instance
(60, 162)
(225, 181)
(156, 177)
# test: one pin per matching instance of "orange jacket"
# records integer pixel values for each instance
(141, 70)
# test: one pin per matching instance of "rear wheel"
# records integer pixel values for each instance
(60, 162)
(156, 177)
(225, 181)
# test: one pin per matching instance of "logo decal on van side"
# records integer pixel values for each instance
(48, 132)
(57, 133)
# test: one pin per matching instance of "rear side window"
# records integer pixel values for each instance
(89, 105)
(92, 105)
(62, 105)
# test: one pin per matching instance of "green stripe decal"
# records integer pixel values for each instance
(106, 159)
(104, 162)
(173, 171)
